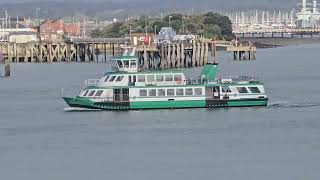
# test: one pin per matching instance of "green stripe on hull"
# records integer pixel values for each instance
(247, 103)
(167, 104)
(86, 103)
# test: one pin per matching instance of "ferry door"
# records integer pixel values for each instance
(132, 80)
(216, 92)
(209, 93)
(121, 95)
(117, 95)
(125, 95)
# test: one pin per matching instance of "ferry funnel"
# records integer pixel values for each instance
(209, 71)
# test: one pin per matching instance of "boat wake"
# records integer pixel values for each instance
(72, 109)
(291, 105)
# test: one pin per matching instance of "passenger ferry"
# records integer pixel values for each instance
(129, 88)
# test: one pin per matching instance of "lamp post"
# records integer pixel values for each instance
(146, 26)
(182, 19)
(155, 29)
(37, 15)
(170, 21)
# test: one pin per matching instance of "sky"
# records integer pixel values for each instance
(70, 7)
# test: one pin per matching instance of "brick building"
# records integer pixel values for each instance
(55, 30)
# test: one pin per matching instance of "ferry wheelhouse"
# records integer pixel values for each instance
(128, 88)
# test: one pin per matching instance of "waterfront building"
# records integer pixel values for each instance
(55, 30)
(309, 15)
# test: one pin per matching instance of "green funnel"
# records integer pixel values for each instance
(209, 72)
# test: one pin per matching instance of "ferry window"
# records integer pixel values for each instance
(161, 92)
(143, 93)
(160, 78)
(120, 64)
(133, 64)
(134, 78)
(92, 93)
(198, 91)
(152, 92)
(254, 90)
(179, 92)
(170, 92)
(189, 92)
(126, 64)
(242, 90)
(99, 93)
(112, 78)
(215, 89)
(141, 78)
(85, 93)
(169, 77)
(150, 78)
(106, 79)
(130, 79)
(226, 89)
(119, 78)
(177, 77)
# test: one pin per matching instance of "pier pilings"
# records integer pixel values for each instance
(162, 56)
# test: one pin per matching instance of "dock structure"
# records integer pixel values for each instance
(86, 49)
(242, 51)
(4, 68)
(177, 55)
(155, 56)
(278, 33)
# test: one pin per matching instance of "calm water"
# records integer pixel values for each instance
(39, 140)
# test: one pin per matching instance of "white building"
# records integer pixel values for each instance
(309, 15)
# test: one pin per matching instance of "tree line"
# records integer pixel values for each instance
(209, 25)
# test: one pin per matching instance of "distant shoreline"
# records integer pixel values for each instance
(280, 42)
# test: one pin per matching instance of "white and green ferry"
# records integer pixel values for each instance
(128, 88)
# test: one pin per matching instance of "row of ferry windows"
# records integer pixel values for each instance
(125, 64)
(92, 93)
(113, 78)
(244, 90)
(160, 78)
(241, 90)
(171, 92)
(148, 78)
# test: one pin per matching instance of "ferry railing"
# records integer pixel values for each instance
(237, 79)
(198, 81)
(115, 98)
(222, 80)
(91, 82)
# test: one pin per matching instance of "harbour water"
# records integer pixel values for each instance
(40, 140)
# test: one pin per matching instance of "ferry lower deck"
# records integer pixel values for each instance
(171, 97)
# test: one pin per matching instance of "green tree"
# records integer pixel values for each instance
(222, 21)
(211, 31)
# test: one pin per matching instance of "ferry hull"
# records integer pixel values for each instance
(88, 104)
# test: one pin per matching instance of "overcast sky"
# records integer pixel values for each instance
(215, 5)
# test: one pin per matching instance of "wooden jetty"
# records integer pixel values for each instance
(277, 33)
(86, 49)
(4, 68)
(177, 55)
(156, 56)
(242, 51)
(162, 56)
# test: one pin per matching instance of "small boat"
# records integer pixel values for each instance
(127, 87)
